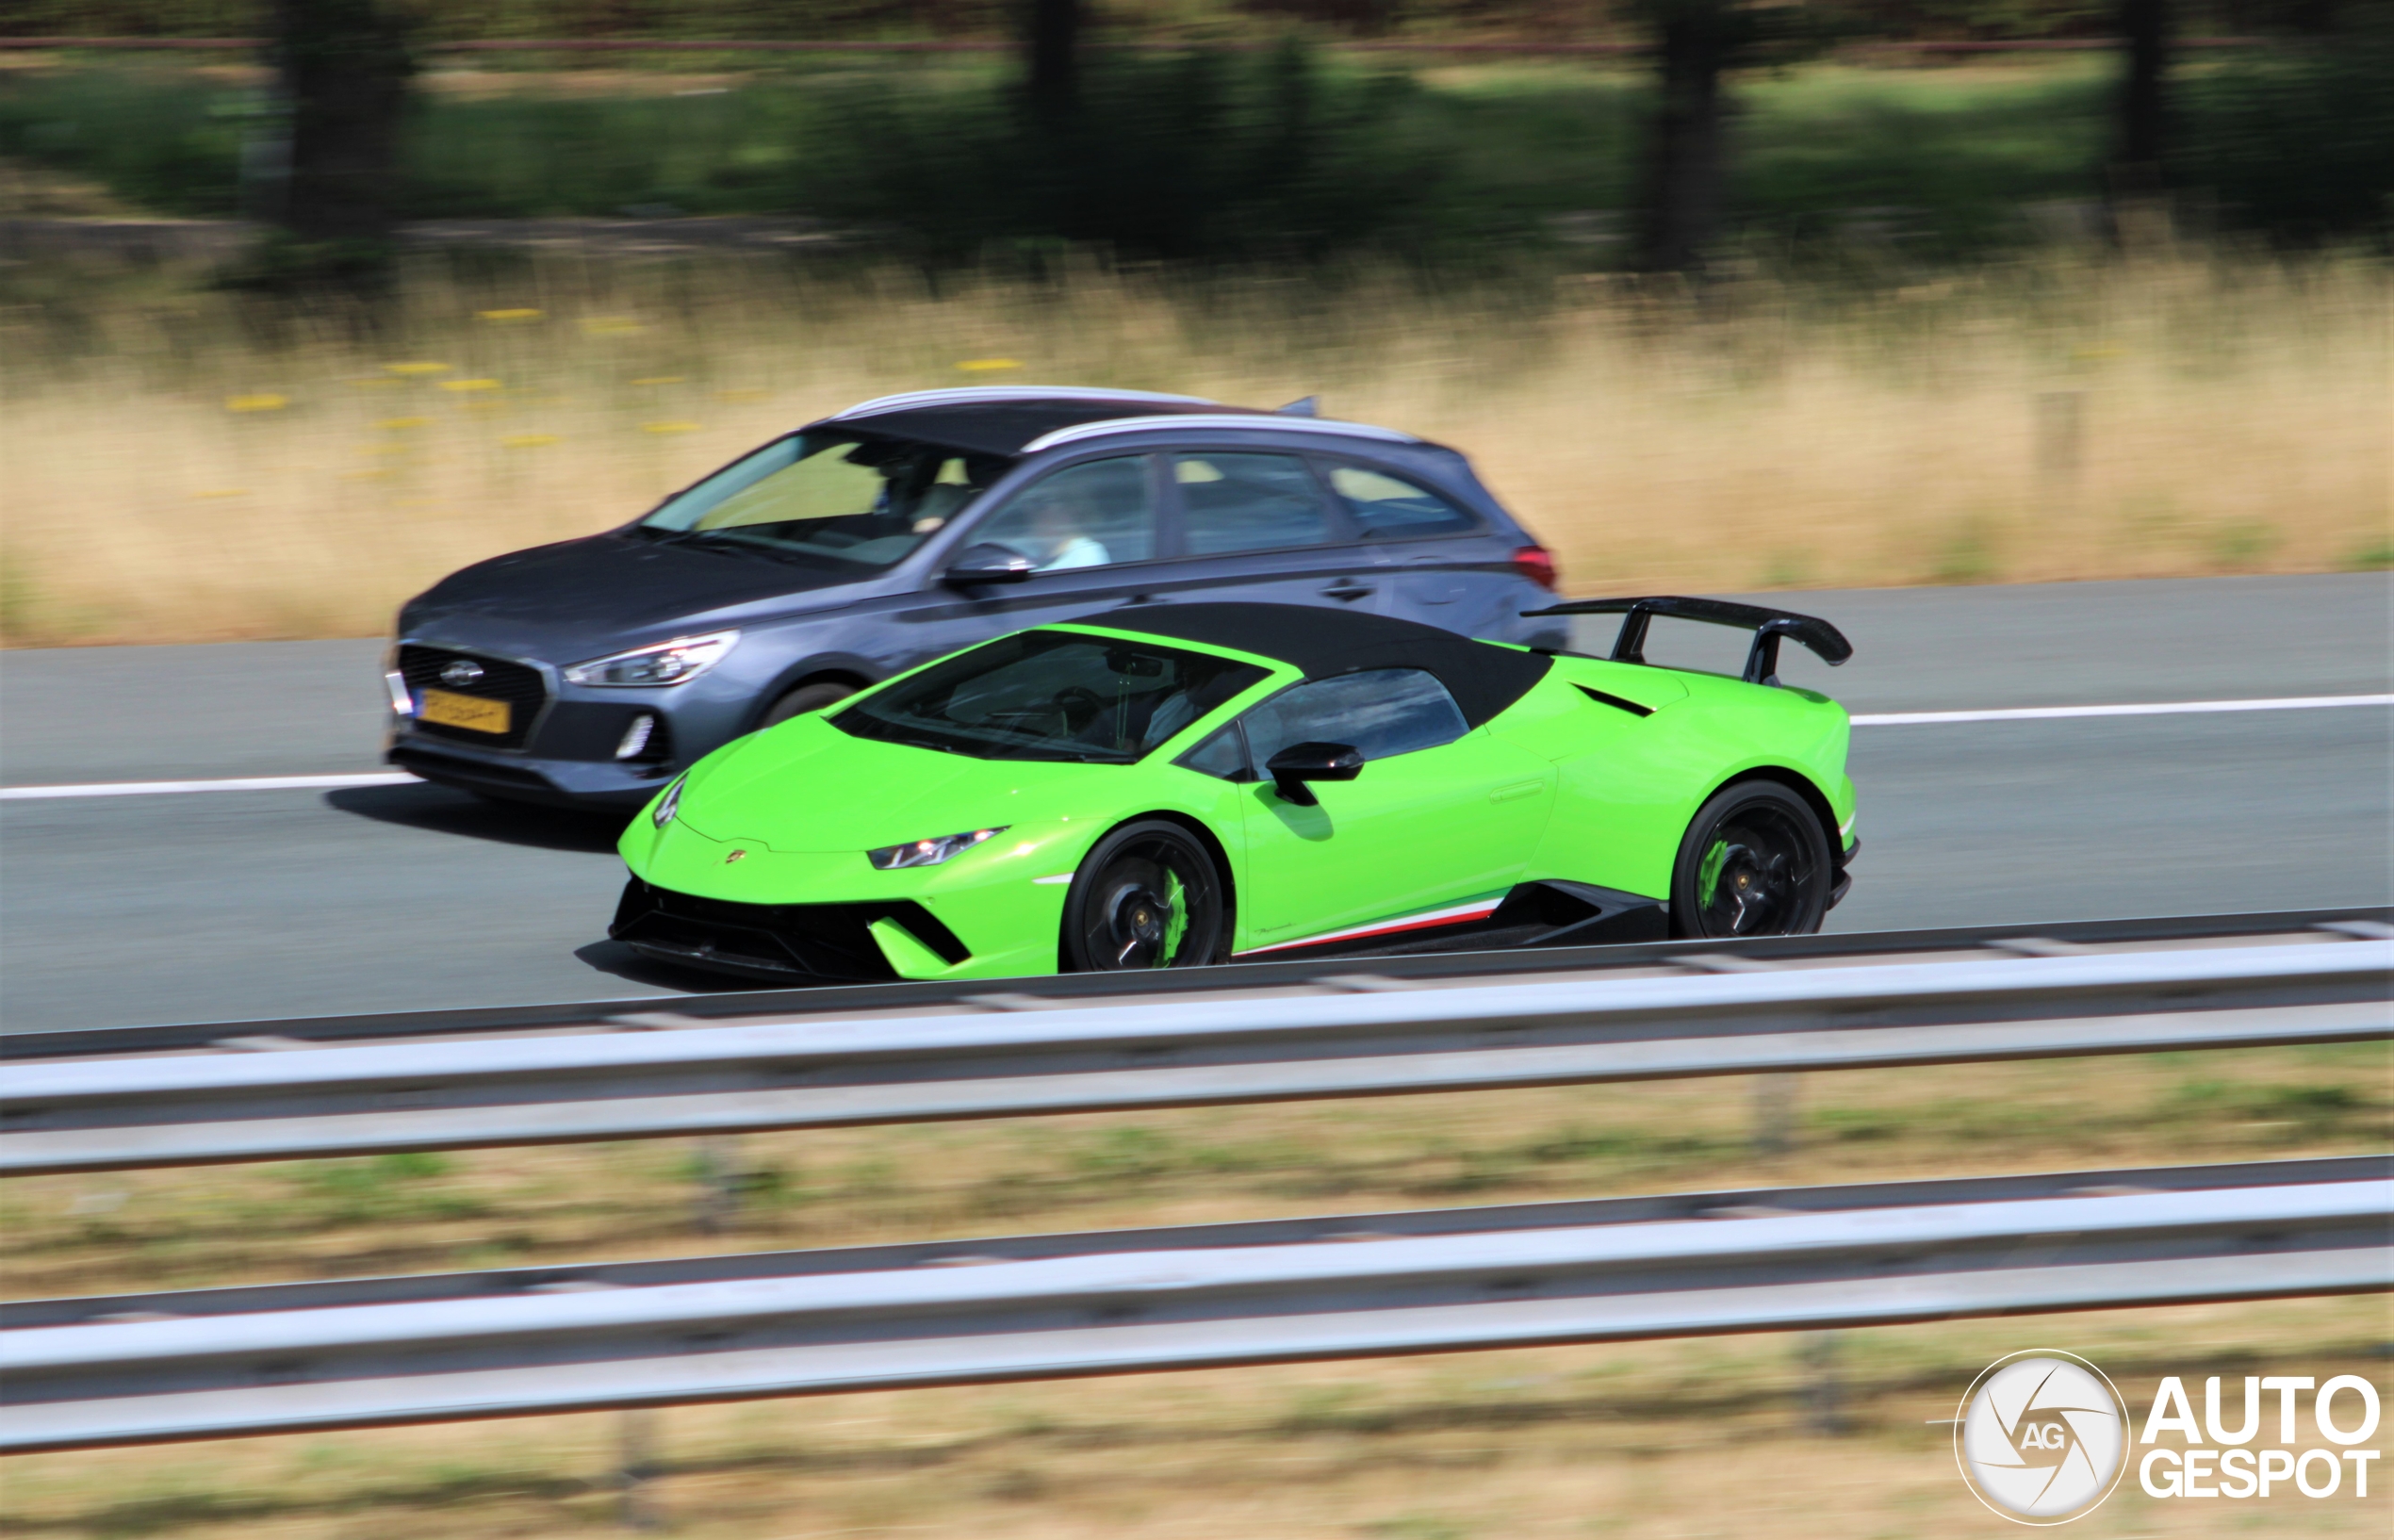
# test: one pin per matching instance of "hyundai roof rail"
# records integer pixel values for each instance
(970, 395)
(1259, 423)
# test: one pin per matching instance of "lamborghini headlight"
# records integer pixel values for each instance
(682, 659)
(670, 803)
(892, 857)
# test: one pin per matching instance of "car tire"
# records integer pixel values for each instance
(804, 698)
(1754, 862)
(1148, 896)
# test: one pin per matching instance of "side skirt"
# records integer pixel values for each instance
(1552, 912)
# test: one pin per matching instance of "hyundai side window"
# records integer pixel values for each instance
(1242, 502)
(1392, 508)
(1100, 513)
(1380, 713)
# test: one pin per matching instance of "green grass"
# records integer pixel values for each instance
(1951, 155)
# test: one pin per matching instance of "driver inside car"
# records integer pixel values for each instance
(1060, 525)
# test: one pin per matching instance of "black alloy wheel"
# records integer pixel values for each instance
(1754, 862)
(1148, 896)
(804, 698)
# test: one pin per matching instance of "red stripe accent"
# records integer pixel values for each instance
(1391, 928)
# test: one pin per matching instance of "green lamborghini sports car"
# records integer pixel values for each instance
(1198, 783)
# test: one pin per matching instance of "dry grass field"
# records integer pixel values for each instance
(181, 467)
(1720, 1437)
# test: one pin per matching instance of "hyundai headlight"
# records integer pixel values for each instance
(682, 659)
(892, 857)
(670, 803)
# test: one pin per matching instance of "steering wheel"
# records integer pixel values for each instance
(1080, 705)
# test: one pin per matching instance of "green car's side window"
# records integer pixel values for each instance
(1382, 712)
(1223, 755)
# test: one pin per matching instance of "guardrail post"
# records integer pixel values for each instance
(1824, 1387)
(636, 1467)
(715, 1163)
(1774, 1113)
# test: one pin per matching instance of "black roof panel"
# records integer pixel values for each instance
(1003, 427)
(1483, 678)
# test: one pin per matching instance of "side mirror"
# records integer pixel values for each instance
(1297, 764)
(987, 562)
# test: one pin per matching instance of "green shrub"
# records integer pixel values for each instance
(512, 157)
(164, 139)
(2298, 144)
(1208, 155)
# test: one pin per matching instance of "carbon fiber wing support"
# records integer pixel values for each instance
(1762, 662)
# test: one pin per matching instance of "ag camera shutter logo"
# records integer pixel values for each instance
(2041, 1436)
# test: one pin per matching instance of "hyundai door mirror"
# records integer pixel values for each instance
(987, 562)
(1297, 764)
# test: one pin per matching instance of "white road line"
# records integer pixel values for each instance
(2161, 707)
(244, 784)
(1883, 719)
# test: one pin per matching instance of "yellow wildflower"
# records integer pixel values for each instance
(419, 368)
(668, 426)
(529, 441)
(504, 317)
(982, 365)
(471, 384)
(264, 402)
(397, 423)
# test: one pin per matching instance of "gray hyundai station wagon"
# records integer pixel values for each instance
(586, 673)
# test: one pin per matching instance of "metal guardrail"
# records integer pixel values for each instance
(834, 1000)
(100, 1114)
(219, 1363)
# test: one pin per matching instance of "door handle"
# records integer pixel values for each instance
(1346, 590)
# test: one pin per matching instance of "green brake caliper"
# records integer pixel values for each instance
(1177, 926)
(1708, 872)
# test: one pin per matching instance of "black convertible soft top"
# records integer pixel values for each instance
(1482, 678)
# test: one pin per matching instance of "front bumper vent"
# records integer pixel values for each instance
(792, 942)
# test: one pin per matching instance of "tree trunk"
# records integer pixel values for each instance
(345, 66)
(2142, 129)
(1683, 206)
(1054, 46)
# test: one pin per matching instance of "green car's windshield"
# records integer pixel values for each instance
(827, 498)
(1051, 696)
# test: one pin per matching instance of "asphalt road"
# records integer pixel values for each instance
(251, 905)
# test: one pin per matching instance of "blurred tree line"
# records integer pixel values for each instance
(1215, 154)
(449, 21)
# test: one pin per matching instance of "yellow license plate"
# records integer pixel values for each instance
(473, 713)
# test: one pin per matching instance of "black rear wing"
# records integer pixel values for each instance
(1768, 626)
